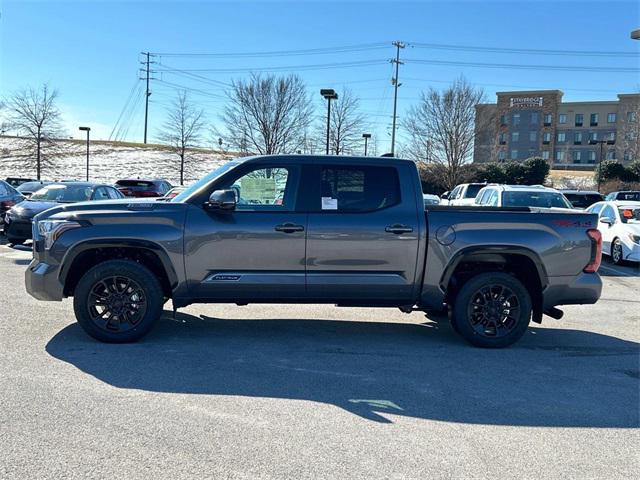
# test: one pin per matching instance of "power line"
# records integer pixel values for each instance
(526, 51)
(575, 68)
(318, 66)
(282, 53)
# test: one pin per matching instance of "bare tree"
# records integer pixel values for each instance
(345, 125)
(182, 129)
(629, 134)
(34, 114)
(268, 114)
(441, 128)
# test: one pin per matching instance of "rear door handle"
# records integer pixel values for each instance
(289, 228)
(398, 229)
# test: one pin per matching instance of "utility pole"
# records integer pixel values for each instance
(147, 62)
(396, 84)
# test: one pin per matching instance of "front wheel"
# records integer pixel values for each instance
(616, 252)
(492, 310)
(118, 301)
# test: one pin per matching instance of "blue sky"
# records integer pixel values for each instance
(90, 50)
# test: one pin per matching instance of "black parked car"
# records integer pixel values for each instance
(18, 218)
(17, 181)
(9, 196)
(633, 195)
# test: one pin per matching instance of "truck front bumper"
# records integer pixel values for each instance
(41, 281)
(584, 288)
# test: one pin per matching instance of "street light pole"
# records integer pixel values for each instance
(329, 94)
(601, 143)
(366, 137)
(87, 129)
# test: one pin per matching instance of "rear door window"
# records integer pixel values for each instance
(358, 188)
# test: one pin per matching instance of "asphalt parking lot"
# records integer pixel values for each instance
(230, 392)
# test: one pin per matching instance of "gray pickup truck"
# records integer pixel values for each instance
(314, 229)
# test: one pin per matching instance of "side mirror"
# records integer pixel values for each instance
(445, 196)
(222, 200)
(607, 220)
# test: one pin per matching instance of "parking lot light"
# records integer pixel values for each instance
(329, 94)
(366, 137)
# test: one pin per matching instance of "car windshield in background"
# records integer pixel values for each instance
(534, 199)
(630, 214)
(472, 191)
(31, 186)
(582, 200)
(137, 184)
(221, 170)
(63, 193)
(631, 196)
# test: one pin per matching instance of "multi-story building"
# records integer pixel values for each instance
(538, 123)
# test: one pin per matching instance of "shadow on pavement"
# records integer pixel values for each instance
(553, 377)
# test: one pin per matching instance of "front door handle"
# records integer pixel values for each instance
(289, 228)
(398, 229)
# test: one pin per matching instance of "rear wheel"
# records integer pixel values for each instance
(16, 240)
(118, 301)
(616, 252)
(492, 310)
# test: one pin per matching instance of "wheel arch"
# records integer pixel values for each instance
(82, 256)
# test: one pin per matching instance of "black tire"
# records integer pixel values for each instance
(15, 240)
(118, 301)
(617, 255)
(479, 310)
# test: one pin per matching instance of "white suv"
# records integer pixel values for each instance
(521, 196)
(463, 194)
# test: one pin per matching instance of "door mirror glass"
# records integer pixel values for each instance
(222, 200)
(607, 220)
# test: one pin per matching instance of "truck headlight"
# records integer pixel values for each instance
(51, 230)
(634, 238)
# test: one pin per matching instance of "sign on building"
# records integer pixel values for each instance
(525, 101)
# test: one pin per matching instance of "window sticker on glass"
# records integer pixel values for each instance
(329, 203)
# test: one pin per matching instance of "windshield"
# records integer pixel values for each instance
(31, 186)
(583, 200)
(142, 184)
(472, 191)
(222, 169)
(632, 196)
(534, 199)
(630, 214)
(63, 193)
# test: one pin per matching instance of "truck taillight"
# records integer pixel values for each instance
(596, 250)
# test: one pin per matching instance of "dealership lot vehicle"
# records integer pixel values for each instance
(19, 218)
(143, 187)
(9, 196)
(17, 181)
(582, 198)
(619, 224)
(355, 235)
(464, 194)
(521, 196)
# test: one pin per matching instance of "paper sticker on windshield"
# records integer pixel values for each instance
(329, 203)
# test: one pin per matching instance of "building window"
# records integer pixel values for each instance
(502, 138)
(559, 155)
(514, 154)
(594, 120)
(503, 120)
(577, 138)
(611, 154)
(631, 116)
(502, 155)
(515, 136)
(627, 156)
(579, 119)
(547, 120)
(611, 118)
(577, 156)
(593, 136)
(562, 137)
(546, 138)
(545, 154)
(516, 119)
(534, 118)
(562, 118)
(533, 136)
(611, 137)
(592, 156)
